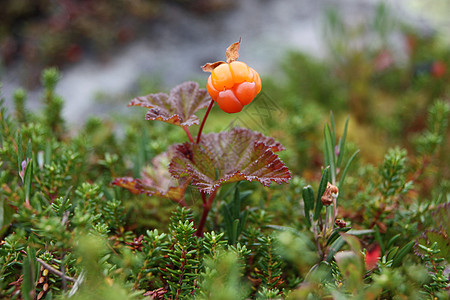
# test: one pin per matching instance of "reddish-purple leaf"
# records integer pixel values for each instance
(179, 107)
(239, 154)
(156, 180)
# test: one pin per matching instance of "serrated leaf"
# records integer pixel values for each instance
(178, 107)
(156, 180)
(441, 215)
(225, 157)
(428, 238)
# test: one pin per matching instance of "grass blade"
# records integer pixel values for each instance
(342, 144)
(402, 253)
(347, 166)
(329, 153)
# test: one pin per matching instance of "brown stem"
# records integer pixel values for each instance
(206, 208)
(54, 271)
(186, 129)
(199, 135)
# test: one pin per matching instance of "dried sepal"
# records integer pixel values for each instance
(156, 180)
(225, 157)
(233, 52)
(178, 107)
(209, 67)
(329, 195)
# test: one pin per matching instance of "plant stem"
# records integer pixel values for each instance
(334, 210)
(54, 271)
(206, 208)
(199, 135)
(316, 237)
(186, 129)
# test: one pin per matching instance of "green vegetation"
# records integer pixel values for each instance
(365, 215)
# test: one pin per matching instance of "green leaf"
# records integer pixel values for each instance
(6, 216)
(234, 230)
(401, 254)
(295, 232)
(340, 241)
(379, 240)
(240, 154)
(19, 151)
(391, 253)
(29, 153)
(392, 240)
(352, 241)
(333, 128)
(27, 180)
(322, 187)
(334, 248)
(178, 107)
(30, 272)
(308, 199)
(347, 166)
(361, 232)
(234, 218)
(342, 144)
(335, 234)
(236, 203)
(330, 158)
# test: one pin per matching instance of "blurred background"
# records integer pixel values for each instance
(109, 50)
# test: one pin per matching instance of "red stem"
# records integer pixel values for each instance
(206, 208)
(188, 134)
(199, 135)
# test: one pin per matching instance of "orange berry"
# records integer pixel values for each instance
(211, 89)
(221, 77)
(228, 102)
(245, 92)
(233, 85)
(240, 71)
(256, 79)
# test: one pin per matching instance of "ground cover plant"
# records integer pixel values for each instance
(149, 210)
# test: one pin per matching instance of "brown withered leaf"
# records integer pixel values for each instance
(233, 52)
(209, 67)
(178, 107)
(239, 154)
(156, 180)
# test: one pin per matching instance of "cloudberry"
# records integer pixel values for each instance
(233, 86)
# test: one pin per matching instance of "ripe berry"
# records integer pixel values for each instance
(233, 85)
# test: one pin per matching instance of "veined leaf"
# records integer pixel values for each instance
(239, 154)
(156, 180)
(178, 107)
